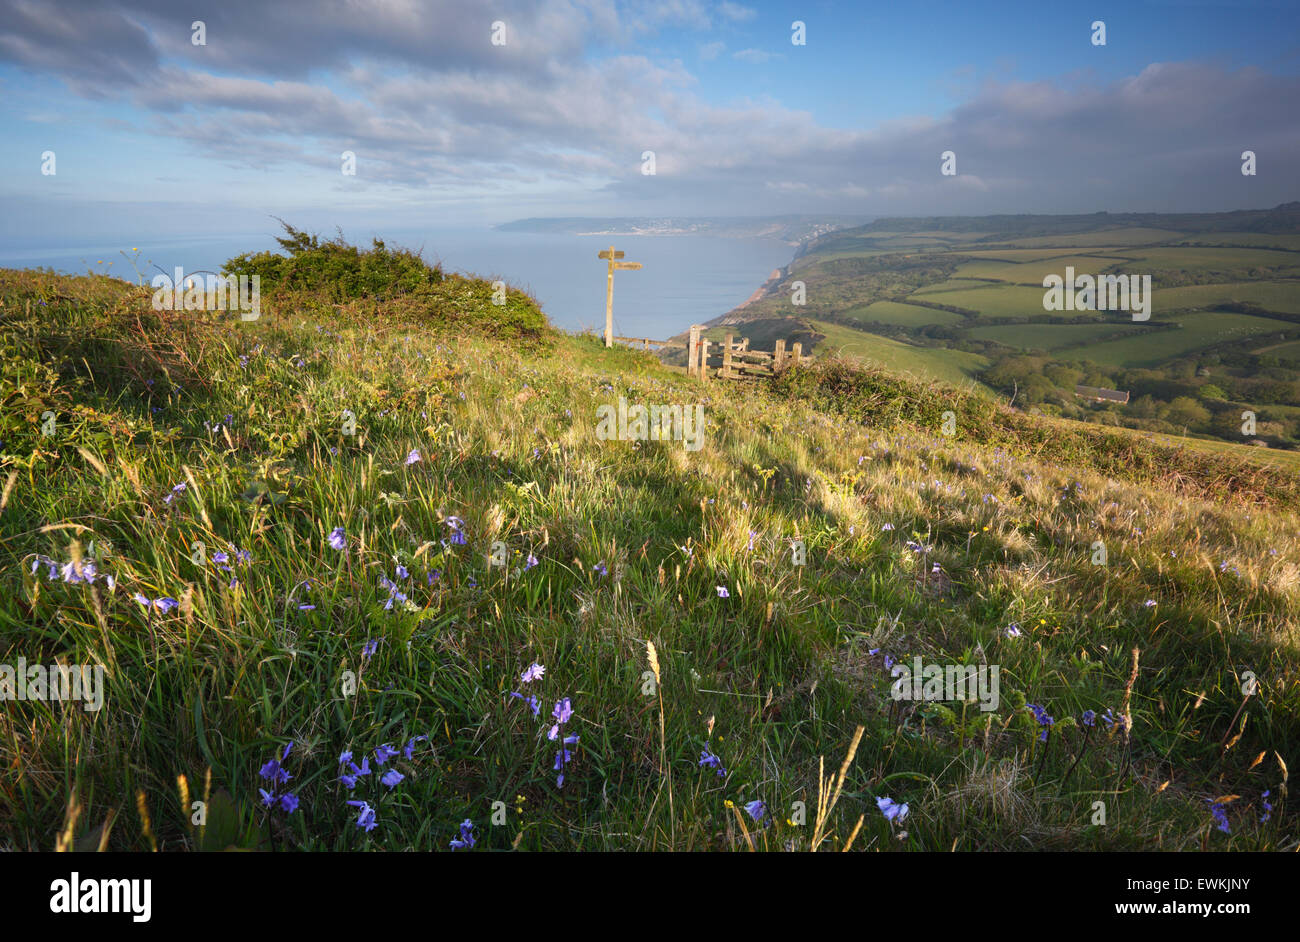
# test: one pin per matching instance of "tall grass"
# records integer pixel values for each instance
(632, 541)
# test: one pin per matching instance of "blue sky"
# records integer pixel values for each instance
(152, 133)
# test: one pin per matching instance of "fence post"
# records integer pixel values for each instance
(645, 344)
(795, 352)
(778, 356)
(693, 354)
(704, 359)
(744, 343)
(726, 357)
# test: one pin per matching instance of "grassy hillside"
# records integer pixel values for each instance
(343, 598)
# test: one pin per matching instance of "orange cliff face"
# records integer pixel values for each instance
(775, 276)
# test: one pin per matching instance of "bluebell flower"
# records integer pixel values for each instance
(413, 457)
(384, 753)
(1089, 718)
(723, 593)
(534, 704)
(600, 568)
(709, 760)
(534, 672)
(892, 811)
(274, 772)
(366, 819)
(563, 710)
(338, 539)
(1220, 816)
(392, 778)
(289, 802)
(466, 838)
(1045, 720)
(756, 810)
(409, 749)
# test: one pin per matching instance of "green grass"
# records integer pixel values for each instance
(632, 541)
(1047, 336)
(1102, 237)
(904, 315)
(938, 363)
(1191, 259)
(1032, 272)
(1195, 331)
(1283, 297)
(997, 300)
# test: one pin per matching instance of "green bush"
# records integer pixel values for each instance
(340, 271)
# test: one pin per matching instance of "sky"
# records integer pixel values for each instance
(153, 132)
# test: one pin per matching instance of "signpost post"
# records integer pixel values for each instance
(614, 265)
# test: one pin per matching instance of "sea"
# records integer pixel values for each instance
(685, 279)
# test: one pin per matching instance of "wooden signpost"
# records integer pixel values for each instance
(614, 265)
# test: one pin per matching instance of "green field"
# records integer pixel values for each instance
(1033, 272)
(905, 315)
(1280, 296)
(1264, 239)
(999, 301)
(1045, 336)
(1283, 351)
(1033, 255)
(950, 366)
(1196, 330)
(952, 284)
(1131, 236)
(1182, 257)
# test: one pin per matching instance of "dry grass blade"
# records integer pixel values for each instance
(828, 792)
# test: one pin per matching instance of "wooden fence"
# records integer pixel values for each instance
(735, 359)
(732, 359)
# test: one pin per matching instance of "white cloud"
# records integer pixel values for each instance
(735, 12)
(711, 51)
(753, 56)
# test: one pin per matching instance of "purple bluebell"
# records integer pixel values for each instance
(466, 838)
(366, 819)
(892, 811)
(709, 760)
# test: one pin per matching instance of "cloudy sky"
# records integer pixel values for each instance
(150, 130)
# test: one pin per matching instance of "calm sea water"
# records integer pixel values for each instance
(686, 279)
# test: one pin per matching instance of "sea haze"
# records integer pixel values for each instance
(687, 279)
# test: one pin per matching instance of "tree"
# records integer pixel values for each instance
(1187, 411)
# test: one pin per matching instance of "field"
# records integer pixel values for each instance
(906, 315)
(1214, 286)
(1048, 336)
(268, 587)
(1033, 272)
(1194, 331)
(950, 366)
(1280, 296)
